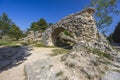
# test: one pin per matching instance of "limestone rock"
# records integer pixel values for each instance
(33, 36)
(81, 25)
(81, 63)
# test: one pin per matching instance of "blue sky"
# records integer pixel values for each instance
(23, 12)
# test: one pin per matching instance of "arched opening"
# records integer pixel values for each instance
(62, 38)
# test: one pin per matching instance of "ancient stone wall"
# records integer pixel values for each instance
(33, 36)
(81, 25)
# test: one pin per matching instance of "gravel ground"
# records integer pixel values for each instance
(17, 72)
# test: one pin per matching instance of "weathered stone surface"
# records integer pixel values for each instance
(48, 69)
(81, 63)
(68, 38)
(81, 25)
(112, 75)
(76, 65)
(33, 36)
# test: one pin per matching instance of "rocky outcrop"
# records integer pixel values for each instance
(81, 25)
(88, 60)
(33, 36)
(80, 64)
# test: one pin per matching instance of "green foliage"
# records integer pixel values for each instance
(102, 54)
(59, 73)
(25, 43)
(39, 25)
(9, 43)
(43, 24)
(95, 63)
(116, 34)
(67, 33)
(39, 45)
(34, 26)
(5, 23)
(56, 52)
(15, 32)
(8, 28)
(109, 38)
(71, 65)
(104, 12)
(50, 24)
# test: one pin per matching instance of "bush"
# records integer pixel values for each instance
(102, 54)
(24, 43)
(59, 73)
(59, 51)
(71, 65)
(67, 33)
(39, 45)
(9, 43)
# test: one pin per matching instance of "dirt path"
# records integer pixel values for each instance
(17, 72)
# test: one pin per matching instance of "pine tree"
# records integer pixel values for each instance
(39, 25)
(116, 34)
(43, 24)
(15, 32)
(5, 23)
(104, 11)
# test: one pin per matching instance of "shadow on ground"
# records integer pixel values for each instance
(13, 56)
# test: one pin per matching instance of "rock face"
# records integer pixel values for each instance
(33, 36)
(81, 25)
(79, 64)
(89, 58)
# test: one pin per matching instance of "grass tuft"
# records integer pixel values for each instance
(102, 54)
(56, 52)
(59, 73)
(71, 65)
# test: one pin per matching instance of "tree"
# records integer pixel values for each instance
(5, 23)
(50, 24)
(34, 27)
(116, 34)
(39, 25)
(15, 32)
(8, 28)
(104, 11)
(43, 24)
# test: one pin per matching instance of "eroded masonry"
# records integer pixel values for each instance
(81, 26)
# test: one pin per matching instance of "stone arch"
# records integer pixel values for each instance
(55, 34)
(58, 36)
(81, 25)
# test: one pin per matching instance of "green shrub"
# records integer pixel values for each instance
(71, 65)
(88, 50)
(24, 43)
(67, 33)
(102, 54)
(59, 73)
(59, 51)
(95, 63)
(39, 45)
(9, 43)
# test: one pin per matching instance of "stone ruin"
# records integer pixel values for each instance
(83, 61)
(81, 25)
(33, 36)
